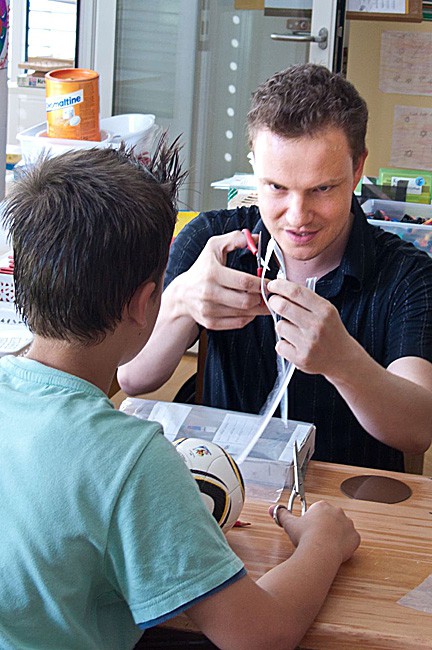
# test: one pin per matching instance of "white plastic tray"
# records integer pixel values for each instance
(33, 143)
(14, 335)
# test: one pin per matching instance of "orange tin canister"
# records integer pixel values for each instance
(72, 104)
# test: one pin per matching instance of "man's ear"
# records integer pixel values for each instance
(358, 171)
(136, 310)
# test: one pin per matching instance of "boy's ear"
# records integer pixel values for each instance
(137, 307)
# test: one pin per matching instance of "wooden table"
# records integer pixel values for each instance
(395, 556)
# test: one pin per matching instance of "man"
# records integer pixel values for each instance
(362, 343)
(104, 532)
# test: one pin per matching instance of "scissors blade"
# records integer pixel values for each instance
(298, 474)
(259, 258)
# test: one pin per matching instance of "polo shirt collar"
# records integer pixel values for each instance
(245, 254)
(358, 261)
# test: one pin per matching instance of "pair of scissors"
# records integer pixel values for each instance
(254, 249)
(297, 488)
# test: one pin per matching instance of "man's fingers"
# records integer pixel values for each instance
(295, 293)
(229, 242)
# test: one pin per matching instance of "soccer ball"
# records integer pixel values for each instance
(218, 477)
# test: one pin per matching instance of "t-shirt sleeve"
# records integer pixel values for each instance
(410, 322)
(165, 550)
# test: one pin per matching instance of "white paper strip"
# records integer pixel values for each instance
(170, 416)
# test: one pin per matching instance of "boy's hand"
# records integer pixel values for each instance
(322, 525)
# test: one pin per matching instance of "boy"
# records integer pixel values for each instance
(104, 533)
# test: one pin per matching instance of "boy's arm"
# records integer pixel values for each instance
(277, 611)
(210, 295)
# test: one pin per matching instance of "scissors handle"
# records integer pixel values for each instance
(254, 249)
(250, 241)
(294, 494)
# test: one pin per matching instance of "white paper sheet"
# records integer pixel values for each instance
(299, 432)
(412, 138)
(378, 6)
(171, 417)
(245, 181)
(419, 598)
(235, 432)
(406, 63)
(14, 335)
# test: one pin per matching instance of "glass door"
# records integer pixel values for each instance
(195, 63)
(239, 50)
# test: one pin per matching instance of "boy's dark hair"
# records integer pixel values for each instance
(87, 228)
(306, 99)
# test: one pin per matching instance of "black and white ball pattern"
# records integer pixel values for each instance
(218, 477)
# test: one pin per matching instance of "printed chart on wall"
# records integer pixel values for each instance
(406, 63)
(412, 137)
(378, 6)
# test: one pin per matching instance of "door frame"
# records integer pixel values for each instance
(331, 15)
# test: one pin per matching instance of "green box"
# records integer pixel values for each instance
(419, 182)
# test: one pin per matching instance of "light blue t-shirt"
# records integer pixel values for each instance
(102, 525)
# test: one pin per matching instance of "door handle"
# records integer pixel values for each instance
(321, 39)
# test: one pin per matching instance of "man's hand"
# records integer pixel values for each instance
(313, 335)
(208, 294)
(218, 297)
(394, 405)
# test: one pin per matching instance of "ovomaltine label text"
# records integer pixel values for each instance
(63, 101)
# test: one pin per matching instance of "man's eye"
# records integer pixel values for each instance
(275, 186)
(324, 188)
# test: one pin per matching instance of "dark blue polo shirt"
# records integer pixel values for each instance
(383, 292)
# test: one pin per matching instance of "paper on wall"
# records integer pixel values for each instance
(412, 138)
(406, 63)
(378, 6)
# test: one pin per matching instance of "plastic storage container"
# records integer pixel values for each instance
(414, 183)
(132, 128)
(417, 234)
(7, 285)
(267, 470)
(135, 129)
(7, 288)
(34, 141)
(14, 335)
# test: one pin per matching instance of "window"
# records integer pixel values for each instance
(51, 29)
